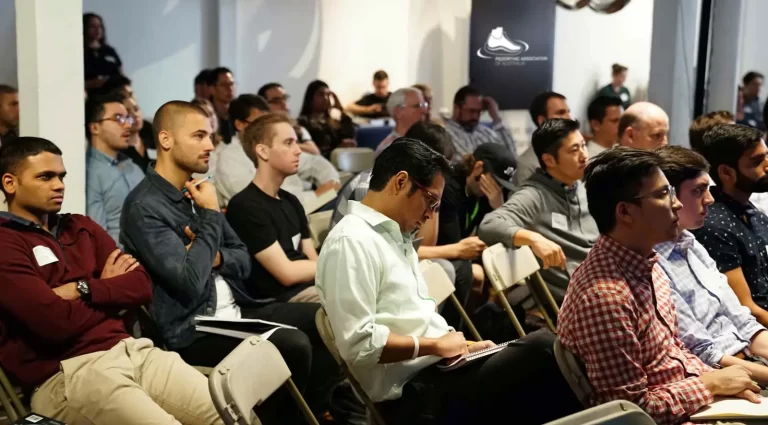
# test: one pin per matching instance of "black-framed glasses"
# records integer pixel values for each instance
(667, 192)
(120, 119)
(434, 200)
(279, 99)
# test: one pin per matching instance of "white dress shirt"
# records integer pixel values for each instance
(369, 283)
(236, 171)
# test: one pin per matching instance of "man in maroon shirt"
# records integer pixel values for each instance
(63, 282)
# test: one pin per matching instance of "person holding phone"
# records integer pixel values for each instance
(464, 125)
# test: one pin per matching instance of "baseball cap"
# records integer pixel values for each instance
(498, 161)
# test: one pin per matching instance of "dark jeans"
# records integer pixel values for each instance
(521, 384)
(313, 369)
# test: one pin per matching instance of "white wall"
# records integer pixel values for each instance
(753, 53)
(163, 44)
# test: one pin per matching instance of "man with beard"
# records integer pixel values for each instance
(735, 233)
(464, 126)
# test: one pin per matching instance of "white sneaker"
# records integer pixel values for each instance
(498, 40)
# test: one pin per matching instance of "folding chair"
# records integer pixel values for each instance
(344, 177)
(9, 397)
(574, 372)
(319, 225)
(440, 288)
(617, 412)
(246, 377)
(506, 268)
(353, 160)
(326, 333)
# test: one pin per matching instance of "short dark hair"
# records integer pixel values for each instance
(618, 69)
(240, 107)
(6, 89)
(380, 75)
(434, 136)
(724, 144)
(95, 107)
(461, 95)
(751, 75)
(13, 153)
(114, 84)
(681, 164)
(539, 104)
(216, 73)
(421, 162)
(599, 105)
(266, 87)
(169, 112)
(704, 123)
(549, 137)
(613, 176)
(260, 132)
(203, 77)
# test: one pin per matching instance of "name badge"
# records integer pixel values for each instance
(559, 221)
(44, 255)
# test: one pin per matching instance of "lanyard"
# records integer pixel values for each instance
(471, 218)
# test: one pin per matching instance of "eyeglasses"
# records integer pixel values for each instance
(120, 119)
(667, 192)
(424, 105)
(434, 200)
(279, 99)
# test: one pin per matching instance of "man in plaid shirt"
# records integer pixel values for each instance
(712, 323)
(618, 316)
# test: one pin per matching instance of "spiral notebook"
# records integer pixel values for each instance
(463, 360)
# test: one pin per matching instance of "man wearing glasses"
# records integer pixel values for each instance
(407, 107)
(385, 323)
(618, 316)
(110, 174)
(278, 98)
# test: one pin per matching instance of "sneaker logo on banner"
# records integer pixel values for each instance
(505, 50)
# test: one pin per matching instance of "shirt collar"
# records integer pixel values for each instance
(53, 220)
(735, 206)
(627, 260)
(101, 156)
(681, 245)
(163, 185)
(375, 218)
(456, 124)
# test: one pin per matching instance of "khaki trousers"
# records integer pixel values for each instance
(132, 383)
(308, 295)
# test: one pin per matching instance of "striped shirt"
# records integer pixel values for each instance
(466, 141)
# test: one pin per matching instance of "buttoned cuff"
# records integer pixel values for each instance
(378, 340)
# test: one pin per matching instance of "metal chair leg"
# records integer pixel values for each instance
(540, 305)
(465, 318)
(9, 410)
(505, 303)
(548, 294)
(11, 393)
(308, 415)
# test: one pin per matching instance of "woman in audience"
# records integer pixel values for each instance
(326, 121)
(137, 147)
(101, 60)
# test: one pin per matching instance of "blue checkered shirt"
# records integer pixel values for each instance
(712, 323)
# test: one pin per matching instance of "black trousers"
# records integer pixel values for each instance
(313, 369)
(520, 384)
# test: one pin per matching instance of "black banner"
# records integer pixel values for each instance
(512, 45)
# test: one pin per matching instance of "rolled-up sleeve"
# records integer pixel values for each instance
(348, 282)
(501, 224)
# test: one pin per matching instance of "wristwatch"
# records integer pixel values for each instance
(84, 289)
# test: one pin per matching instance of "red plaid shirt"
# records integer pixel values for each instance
(619, 319)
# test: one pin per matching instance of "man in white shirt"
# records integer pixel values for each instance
(237, 171)
(407, 107)
(603, 114)
(385, 323)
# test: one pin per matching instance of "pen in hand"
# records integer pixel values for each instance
(185, 190)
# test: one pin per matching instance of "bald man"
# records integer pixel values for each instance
(198, 264)
(644, 126)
